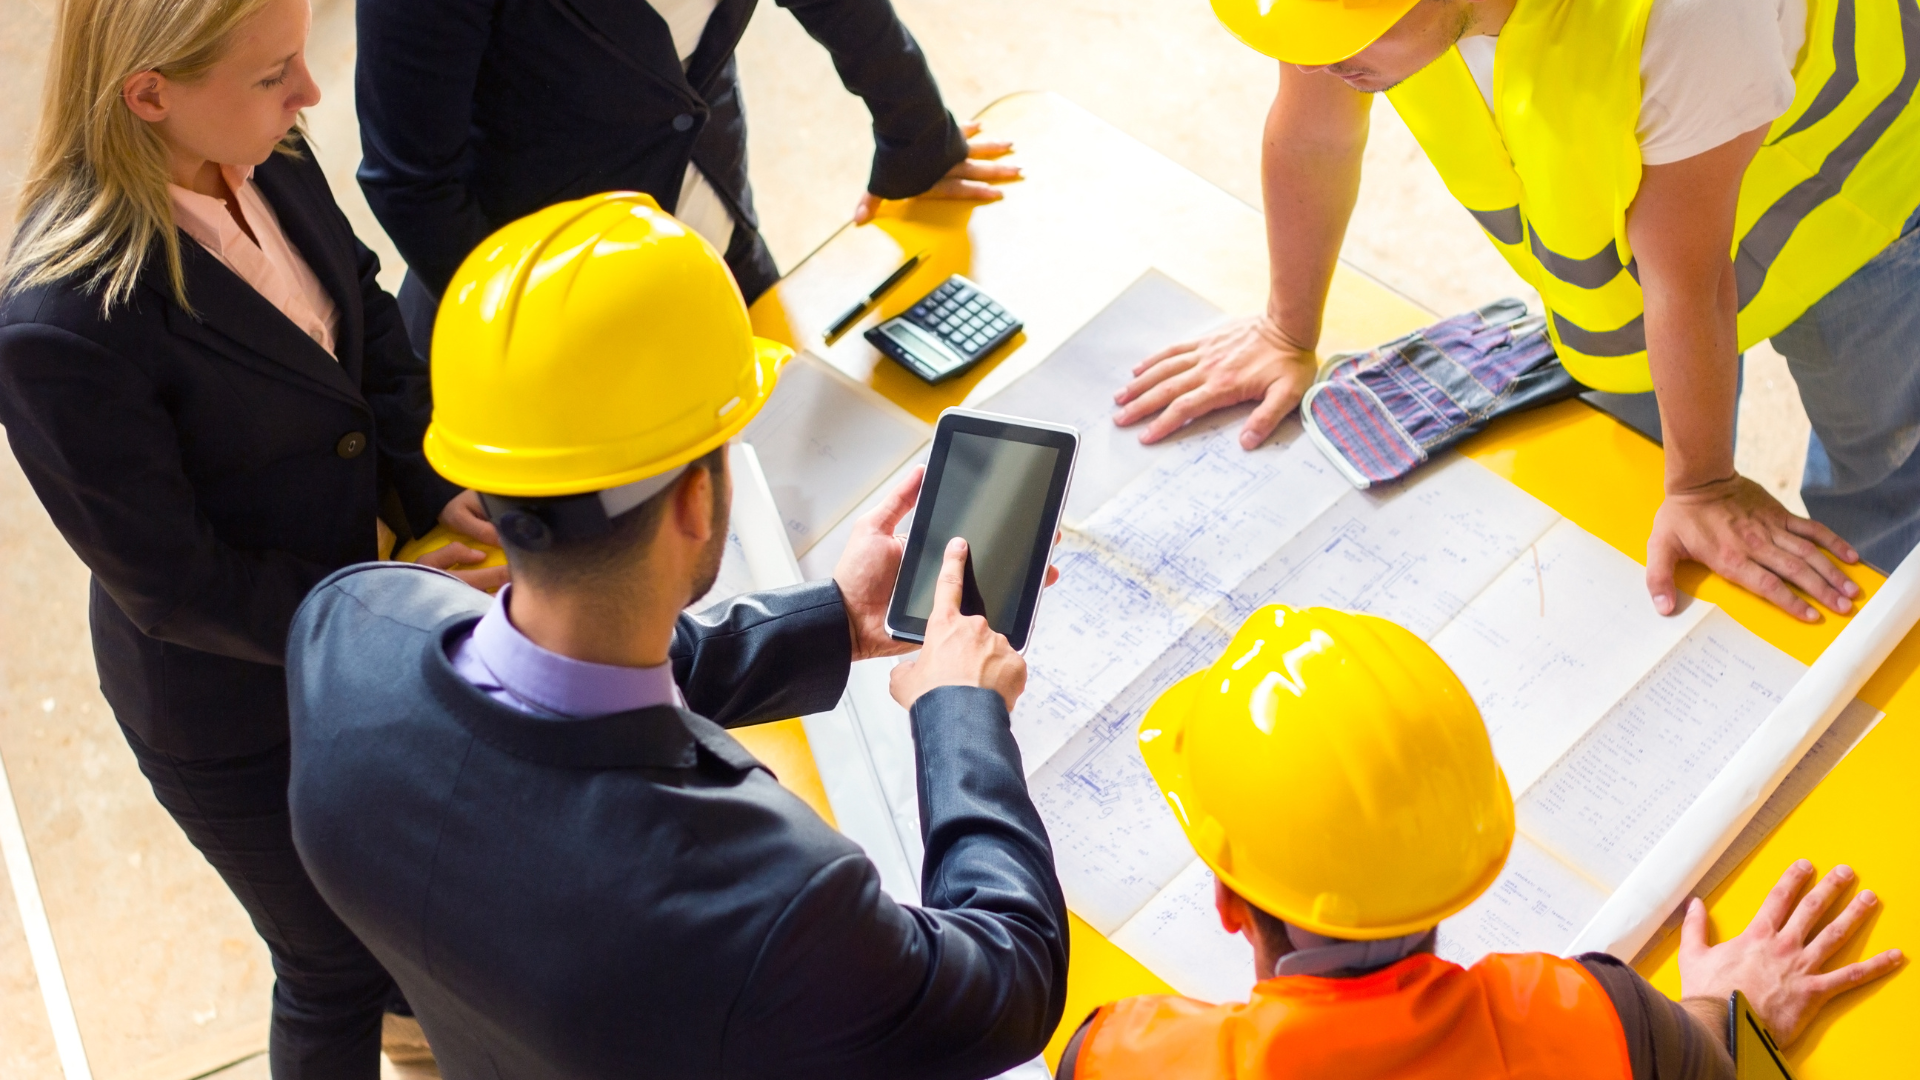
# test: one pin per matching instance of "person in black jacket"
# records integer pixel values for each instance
(476, 112)
(529, 808)
(211, 396)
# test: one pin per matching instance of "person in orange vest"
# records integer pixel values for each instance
(1336, 777)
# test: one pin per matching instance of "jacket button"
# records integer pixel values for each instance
(682, 122)
(351, 444)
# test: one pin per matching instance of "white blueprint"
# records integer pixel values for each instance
(1607, 719)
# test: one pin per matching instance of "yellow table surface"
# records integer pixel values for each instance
(1097, 209)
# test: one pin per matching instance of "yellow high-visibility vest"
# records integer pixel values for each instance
(1550, 172)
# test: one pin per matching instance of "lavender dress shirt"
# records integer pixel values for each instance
(500, 660)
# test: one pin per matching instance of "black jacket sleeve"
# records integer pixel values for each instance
(419, 63)
(395, 384)
(915, 138)
(1664, 1041)
(851, 984)
(103, 455)
(764, 656)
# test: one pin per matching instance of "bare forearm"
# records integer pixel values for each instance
(1710, 1013)
(1694, 357)
(1310, 171)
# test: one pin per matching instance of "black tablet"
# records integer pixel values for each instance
(1000, 482)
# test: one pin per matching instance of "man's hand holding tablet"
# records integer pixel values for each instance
(959, 650)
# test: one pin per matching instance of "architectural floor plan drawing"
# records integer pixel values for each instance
(1607, 718)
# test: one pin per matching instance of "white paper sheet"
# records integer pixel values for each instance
(825, 443)
(1178, 937)
(1715, 819)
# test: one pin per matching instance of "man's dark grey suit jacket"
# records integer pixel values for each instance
(635, 895)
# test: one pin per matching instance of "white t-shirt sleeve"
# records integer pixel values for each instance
(1714, 69)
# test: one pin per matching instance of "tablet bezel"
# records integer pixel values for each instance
(1061, 437)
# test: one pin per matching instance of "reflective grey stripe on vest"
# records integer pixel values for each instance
(1846, 73)
(1589, 273)
(1763, 243)
(1625, 341)
(1592, 272)
(1502, 225)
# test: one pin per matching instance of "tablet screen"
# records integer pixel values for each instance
(1000, 485)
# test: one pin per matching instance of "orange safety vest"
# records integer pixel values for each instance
(1519, 1016)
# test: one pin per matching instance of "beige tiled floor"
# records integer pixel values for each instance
(166, 976)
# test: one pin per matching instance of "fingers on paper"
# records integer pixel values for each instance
(1279, 400)
(1189, 406)
(1663, 554)
(1167, 353)
(1147, 378)
(1173, 378)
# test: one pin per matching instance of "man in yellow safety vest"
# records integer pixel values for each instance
(1679, 179)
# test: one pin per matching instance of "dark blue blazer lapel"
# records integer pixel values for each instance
(635, 33)
(232, 318)
(314, 228)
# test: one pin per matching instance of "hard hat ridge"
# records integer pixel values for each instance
(588, 346)
(1332, 770)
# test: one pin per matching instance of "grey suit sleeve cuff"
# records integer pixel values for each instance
(765, 656)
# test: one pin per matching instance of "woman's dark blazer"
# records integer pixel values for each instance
(211, 467)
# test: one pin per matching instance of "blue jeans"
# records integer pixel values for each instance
(1856, 357)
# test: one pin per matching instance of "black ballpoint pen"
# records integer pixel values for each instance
(857, 311)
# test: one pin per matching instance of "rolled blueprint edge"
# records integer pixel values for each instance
(1704, 830)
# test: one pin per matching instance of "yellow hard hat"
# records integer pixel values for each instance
(1310, 32)
(587, 346)
(1331, 769)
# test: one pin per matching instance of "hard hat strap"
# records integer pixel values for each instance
(1316, 954)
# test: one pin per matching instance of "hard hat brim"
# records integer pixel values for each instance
(1310, 32)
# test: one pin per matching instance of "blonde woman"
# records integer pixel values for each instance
(214, 400)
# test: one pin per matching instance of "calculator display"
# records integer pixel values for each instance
(947, 331)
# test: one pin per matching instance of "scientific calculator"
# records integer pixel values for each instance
(947, 331)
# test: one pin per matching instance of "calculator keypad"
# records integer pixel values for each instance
(965, 319)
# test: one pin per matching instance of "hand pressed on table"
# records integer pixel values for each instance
(971, 181)
(1249, 359)
(1776, 960)
(960, 650)
(1739, 531)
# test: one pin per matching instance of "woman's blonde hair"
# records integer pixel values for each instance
(95, 201)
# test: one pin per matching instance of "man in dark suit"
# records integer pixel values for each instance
(477, 112)
(529, 808)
